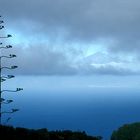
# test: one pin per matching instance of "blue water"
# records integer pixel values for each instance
(98, 111)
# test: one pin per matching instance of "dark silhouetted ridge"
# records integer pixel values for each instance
(11, 133)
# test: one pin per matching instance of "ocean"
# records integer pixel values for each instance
(52, 104)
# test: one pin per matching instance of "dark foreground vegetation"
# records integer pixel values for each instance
(127, 132)
(11, 133)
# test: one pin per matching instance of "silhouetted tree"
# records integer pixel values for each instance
(5, 77)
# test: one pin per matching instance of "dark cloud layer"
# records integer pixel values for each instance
(74, 21)
(81, 19)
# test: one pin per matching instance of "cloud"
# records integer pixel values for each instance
(63, 24)
(80, 19)
(109, 69)
(41, 60)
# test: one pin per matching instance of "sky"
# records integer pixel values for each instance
(74, 37)
(86, 51)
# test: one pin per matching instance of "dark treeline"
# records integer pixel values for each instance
(11, 133)
(126, 132)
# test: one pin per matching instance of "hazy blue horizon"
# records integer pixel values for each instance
(54, 103)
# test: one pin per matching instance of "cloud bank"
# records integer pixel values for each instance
(57, 34)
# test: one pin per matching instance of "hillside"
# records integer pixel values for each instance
(127, 132)
(11, 133)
